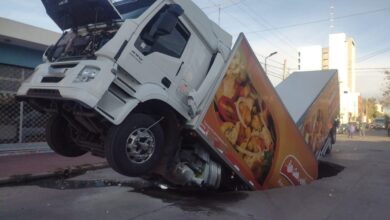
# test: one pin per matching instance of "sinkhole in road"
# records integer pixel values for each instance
(327, 169)
(66, 184)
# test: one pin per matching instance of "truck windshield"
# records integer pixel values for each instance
(131, 9)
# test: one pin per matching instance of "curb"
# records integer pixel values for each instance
(17, 149)
(62, 172)
(6, 153)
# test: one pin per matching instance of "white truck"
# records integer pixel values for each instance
(156, 88)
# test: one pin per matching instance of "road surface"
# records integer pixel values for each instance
(360, 191)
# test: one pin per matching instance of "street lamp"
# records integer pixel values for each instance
(266, 58)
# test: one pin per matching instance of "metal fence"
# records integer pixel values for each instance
(19, 123)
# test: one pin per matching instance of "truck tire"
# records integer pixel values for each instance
(135, 147)
(59, 140)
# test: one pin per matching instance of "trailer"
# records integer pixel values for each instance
(155, 87)
(247, 124)
(312, 99)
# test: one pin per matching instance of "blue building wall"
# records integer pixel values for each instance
(20, 56)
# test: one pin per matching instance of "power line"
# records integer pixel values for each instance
(361, 70)
(276, 76)
(219, 5)
(244, 25)
(255, 17)
(270, 73)
(370, 71)
(373, 54)
(275, 70)
(275, 73)
(373, 68)
(267, 23)
(270, 65)
(271, 60)
(320, 20)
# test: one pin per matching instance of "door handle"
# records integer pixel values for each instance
(178, 71)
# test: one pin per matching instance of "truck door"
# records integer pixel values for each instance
(196, 60)
(179, 60)
(157, 60)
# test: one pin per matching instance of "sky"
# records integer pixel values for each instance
(281, 26)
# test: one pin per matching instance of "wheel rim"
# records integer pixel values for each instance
(140, 145)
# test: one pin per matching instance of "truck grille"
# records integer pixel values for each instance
(51, 79)
(46, 93)
(63, 65)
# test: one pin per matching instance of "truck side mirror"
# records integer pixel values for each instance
(169, 19)
(49, 53)
(166, 23)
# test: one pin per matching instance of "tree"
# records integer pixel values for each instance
(370, 108)
(386, 89)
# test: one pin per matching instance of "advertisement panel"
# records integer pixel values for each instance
(318, 121)
(248, 124)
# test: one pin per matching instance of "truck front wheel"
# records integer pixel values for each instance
(58, 136)
(134, 147)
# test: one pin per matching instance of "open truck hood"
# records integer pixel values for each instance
(75, 13)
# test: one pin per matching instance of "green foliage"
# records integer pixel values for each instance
(370, 108)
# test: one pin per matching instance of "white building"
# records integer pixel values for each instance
(351, 64)
(338, 58)
(310, 58)
(342, 57)
(349, 107)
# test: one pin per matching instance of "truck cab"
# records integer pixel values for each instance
(151, 49)
(125, 77)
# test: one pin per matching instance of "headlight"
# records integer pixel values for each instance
(87, 74)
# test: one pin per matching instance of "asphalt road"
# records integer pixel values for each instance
(360, 191)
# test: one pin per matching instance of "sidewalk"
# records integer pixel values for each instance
(24, 148)
(19, 168)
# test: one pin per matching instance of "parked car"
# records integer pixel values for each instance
(379, 123)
